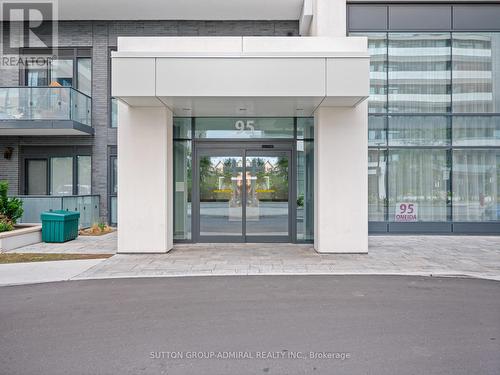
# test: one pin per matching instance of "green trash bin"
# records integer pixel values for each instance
(59, 226)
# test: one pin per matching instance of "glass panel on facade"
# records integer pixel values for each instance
(114, 176)
(305, 190)
(114, 112)
(182, 127)
(476, 130)
(305, 127)
(377, 192)
(244, 127)
(430, 74)
(182, 190)
(419, 72)
(84, 175)
(85, 75)
(114, 208)
(476, 185)
(377, 48)
(61, 176)
(377, 130)
(36, 177)
(37, 74)
(418, 185)
(419, 131)
(61, 72)
(476, 72)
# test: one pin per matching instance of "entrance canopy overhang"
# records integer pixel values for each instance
(241, 76)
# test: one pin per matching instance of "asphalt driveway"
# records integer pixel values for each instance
(252, 325)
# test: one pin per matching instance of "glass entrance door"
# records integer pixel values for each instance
(267, 198)
(242, 195)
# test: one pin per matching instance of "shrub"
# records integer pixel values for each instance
(11, 209)
(5, 227)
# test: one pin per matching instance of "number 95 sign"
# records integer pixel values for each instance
(406, 212)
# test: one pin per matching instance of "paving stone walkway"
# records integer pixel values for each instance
(474, 256)
(105, 244)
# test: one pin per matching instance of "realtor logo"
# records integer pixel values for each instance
(28, 24)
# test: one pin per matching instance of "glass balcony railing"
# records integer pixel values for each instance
(45, 103)
(87, 205)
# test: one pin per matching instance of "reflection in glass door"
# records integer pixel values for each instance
(267, 203)
(220, 195)
(242, 195)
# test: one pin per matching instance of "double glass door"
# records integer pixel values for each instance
(242, 194)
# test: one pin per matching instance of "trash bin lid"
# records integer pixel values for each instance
(60, 215)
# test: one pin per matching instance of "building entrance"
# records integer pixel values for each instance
(243, 192)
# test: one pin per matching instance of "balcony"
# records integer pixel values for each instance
(44, 111)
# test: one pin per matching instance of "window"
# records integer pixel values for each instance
(72, 68)
(84, 72)
(377, 192)
(84, 175)
(476, 185)
(437, 146)
(419, 177)
(114, 112)
(476, 131)
(62, 174)
(419, 131)
(61, 72)
(36, 181)
(377, 130)
(476, 75)
(419, 73)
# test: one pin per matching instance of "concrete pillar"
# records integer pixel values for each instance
(145, 188)
(329, 18)
(341, 179)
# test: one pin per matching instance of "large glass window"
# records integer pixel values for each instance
(476, 185)
(418, 185)
(377, 192)
(377, 130)
(377, 48)
(419, 131)
(476, 130)
(61, 176)
(419, 72)
(72, 68)
(476, 72)
(58, 175)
